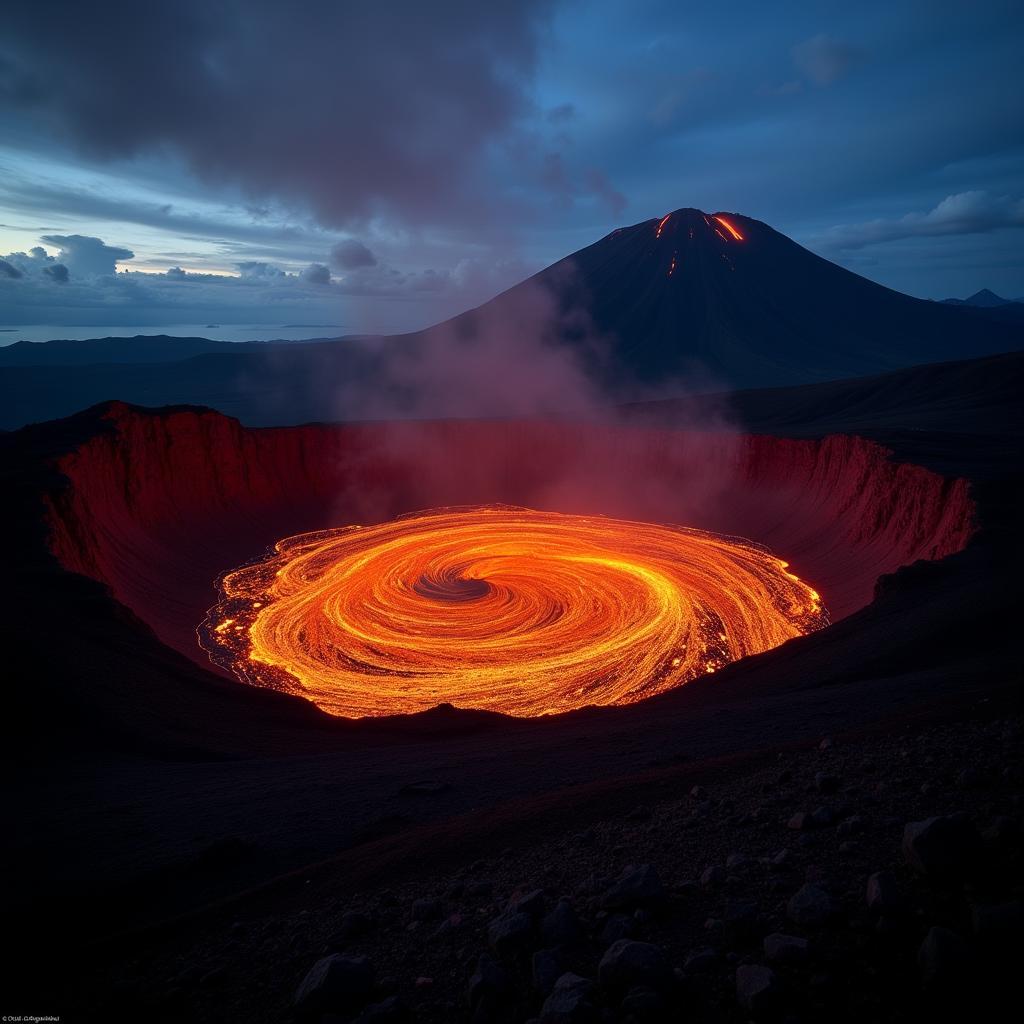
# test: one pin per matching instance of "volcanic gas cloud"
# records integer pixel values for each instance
(501, 608)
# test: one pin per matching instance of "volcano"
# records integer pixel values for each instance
(690, 301)
(729, 296)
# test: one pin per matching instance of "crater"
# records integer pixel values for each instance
(160, 504)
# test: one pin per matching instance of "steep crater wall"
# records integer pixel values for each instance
(160, 504)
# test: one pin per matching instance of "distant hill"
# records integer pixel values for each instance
(992, 307)
(142, 348)
(985, 299)
(720, 299)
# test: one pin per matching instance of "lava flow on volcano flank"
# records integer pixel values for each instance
(501, 608)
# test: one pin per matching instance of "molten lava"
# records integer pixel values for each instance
(728, 227)
(501, 608)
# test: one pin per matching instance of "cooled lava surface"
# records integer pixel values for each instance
(503, 609)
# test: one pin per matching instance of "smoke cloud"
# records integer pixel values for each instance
(556, 435)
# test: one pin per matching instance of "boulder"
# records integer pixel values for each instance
(883, 894)
(943, 960)
(562, 927)
(810, 906)
(510, 933)
(785, 949)
(943, 848)
(627, 963)
(713, 876)
(488, 986)
(546, 969)
(335, 984)
(531, 903)
(388, 1011)
(572, 1001)
(758, 989)
(636, 887)
(352, 925)
(703, 961)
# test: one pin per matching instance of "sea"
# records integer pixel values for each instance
(220, 332)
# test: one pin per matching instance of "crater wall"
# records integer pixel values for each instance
(162, 503)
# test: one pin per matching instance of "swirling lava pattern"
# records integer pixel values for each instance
(501, 608)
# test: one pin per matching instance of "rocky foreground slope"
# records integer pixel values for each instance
(864, 878)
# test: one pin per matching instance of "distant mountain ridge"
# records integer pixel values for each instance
(141, 348)
(984, 299)
(720, 299)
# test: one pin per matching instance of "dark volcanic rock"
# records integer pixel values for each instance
(826, 783)
(822, 816)
(637, 887)
(704, 961)
(562, 927)
(426, 909)
(510, 933)
(785, 949)
(944, 848)
(713, 875)
(642, 1004)
(943, 959)
(572, 1001)
(546, 969)
(628, 963)
(883, 894)
(739, 920)
(997, 922)
(757, 988)
(335, 984)
(618, 926)
(388, 1011)
(488, 986)
(353, 925)
(811, 906)
(531, 903)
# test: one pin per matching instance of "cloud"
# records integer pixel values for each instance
(505, 361)
(57, 272)
(317, 273)
(84, 256)
(36, 287)
(823, 60)
(34, 263)
(966, 213)
(259, 270)
(350, 254)
(597, 184)
(566, 186)
(562, 113)
(354, 110)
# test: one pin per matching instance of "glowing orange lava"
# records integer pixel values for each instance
(501, 608)
(661, 225)
(729, 227)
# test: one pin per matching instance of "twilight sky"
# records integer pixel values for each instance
(377, 167)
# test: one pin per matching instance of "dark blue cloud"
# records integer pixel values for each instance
(351, 254)
(884, 135)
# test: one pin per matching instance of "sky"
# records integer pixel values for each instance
(376, 168)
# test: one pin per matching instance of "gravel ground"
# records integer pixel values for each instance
(729, 892)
